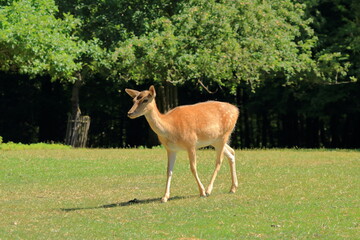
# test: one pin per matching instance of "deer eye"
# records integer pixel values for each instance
(145, 100)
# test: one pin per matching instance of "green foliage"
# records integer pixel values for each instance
(112, 21)
(334, 65)
(222, 43)
(34, 41)
(336, 24)
(216, 42)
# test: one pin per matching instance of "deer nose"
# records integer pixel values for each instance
(130, 114)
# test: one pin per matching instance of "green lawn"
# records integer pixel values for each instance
(115, 194)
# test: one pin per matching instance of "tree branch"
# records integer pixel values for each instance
(202, 84)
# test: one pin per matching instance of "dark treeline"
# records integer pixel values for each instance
(307, 116)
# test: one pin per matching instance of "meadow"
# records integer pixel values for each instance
(115, 194)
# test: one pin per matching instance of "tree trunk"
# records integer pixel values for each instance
(264, 129)
(75, 112)
(167, 97)
(78, 126)
(246, 125)
(75, 106)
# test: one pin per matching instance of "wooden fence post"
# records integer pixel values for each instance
(77, 131)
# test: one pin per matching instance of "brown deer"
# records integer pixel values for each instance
(189, 128)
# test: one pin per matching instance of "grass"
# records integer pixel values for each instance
(115, 194)
(21, 146)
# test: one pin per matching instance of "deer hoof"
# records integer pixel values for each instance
(233, 190)
(203, 195)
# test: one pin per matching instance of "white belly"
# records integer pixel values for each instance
(201, 144)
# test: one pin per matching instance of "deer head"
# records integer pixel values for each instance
(142, 101)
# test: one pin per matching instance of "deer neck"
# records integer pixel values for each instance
(156, 121)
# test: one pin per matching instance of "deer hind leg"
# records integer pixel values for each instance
(171, 163)
(219, 158)
(230, 154)
(192, 158)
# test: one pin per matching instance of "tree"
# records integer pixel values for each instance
(34, 41)
(220, 43)
(337, 27)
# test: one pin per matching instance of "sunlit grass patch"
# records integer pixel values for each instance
(115, 194)
(21, 146)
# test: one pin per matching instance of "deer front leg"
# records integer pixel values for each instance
(192, 158)
(219, 158)
(171, 163)
(230, 154)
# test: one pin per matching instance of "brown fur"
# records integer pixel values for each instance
(188, 128)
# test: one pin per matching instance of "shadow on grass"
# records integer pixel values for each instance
(135, 201)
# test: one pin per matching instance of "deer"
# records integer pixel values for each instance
(189, 127)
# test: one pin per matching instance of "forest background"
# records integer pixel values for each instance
(291, 66)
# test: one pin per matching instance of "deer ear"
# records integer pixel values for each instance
(131, 92)
(152, 91)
